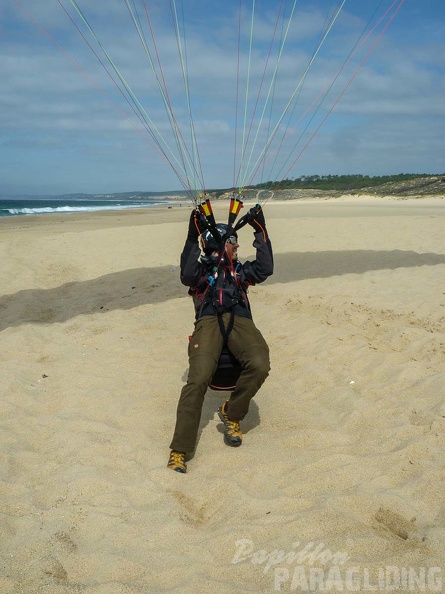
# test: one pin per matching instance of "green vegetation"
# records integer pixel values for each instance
(339, 182)
(348, 183)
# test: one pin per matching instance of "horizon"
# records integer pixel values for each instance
(161, 193)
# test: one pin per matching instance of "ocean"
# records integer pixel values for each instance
(66, 205)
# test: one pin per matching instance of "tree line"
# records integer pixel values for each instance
(337, 182)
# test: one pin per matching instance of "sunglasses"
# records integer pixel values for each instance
(232, 239)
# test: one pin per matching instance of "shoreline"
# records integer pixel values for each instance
(174, 213)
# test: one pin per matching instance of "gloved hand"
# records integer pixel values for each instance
(196, 225)
(256, 219)
(193, 232)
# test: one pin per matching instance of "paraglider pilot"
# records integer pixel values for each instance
(218, 284)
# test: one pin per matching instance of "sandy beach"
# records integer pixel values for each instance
(342, 467)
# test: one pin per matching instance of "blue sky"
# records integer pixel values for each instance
(310, 100)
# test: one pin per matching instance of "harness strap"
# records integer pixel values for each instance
(226, 331)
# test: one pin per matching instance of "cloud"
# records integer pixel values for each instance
(52, 106)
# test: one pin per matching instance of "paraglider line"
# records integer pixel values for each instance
(345, 89)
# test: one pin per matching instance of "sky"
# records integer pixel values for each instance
(161, 95)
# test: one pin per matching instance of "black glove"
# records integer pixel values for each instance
(256, 219)
(193, 232)
(197, 225)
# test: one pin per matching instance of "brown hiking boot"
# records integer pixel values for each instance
(176, 462)
(232, 433)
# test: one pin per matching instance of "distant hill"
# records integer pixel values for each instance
(291, 189)
(168, 195)
(403, 185)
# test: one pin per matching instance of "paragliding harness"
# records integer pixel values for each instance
(223, 298)
(216, 293)
(229, 368)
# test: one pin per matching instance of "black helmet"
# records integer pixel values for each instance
(209, 242)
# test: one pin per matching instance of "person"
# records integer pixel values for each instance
(218, 284)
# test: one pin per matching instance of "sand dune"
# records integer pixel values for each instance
(343, 450)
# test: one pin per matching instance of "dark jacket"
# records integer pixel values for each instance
(216, 286)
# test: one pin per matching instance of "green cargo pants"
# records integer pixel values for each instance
(247, 344)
